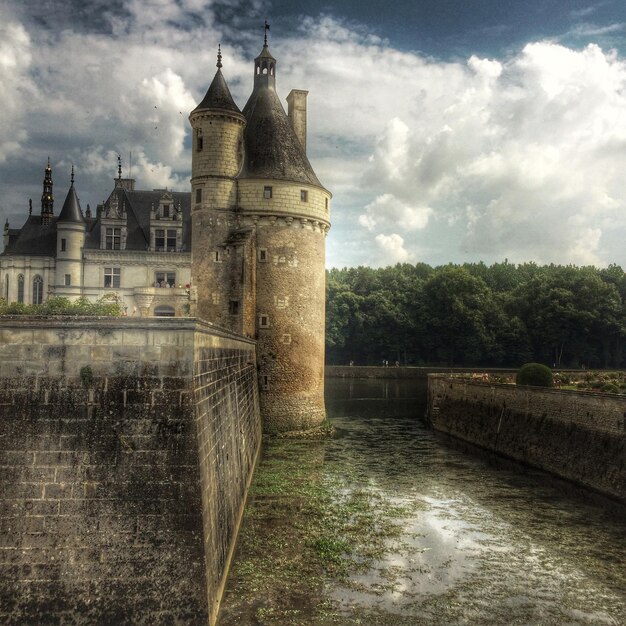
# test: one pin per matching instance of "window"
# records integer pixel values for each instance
(199, 140)
(6, 287)
(113, 238)
(166, 210)
(37, 289)
(265, 382)
(159, 240)
(68, 280)
(304, 195)
(217, 256)
(164, 310)
(20, 288)
(263, 255)
(267, 192)
(233, 307)
(326, 203)
(198, 195)
(264, 321)
(165, 279)
(171, 241)
(62, 245)
(112, 276)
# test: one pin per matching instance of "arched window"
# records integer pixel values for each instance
(6, 287)
(37, 289)
(164, 311)
(20, 288)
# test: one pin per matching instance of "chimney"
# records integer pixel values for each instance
(296, 101)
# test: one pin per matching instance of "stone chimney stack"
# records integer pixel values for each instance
(297, 114)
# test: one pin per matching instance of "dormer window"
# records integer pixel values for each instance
(113, 238)
(166, 210)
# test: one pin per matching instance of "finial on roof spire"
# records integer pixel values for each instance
(267, 27)
(119, 167)
(219, 56)
(48, 162)
(72, 176)
(30, 206)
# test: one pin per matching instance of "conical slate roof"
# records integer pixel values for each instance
(71, 208)
(272, 148)
(218, 96)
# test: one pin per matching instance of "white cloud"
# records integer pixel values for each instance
(17, 87)
(387, 210)
(484, 159)
(392, 248)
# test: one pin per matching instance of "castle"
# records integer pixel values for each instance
(244, 251)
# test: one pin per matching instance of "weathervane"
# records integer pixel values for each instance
(72, 176)
(267, 27)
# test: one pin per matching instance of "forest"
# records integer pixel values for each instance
(477, 315)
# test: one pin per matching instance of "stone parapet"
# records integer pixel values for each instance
(126, 451)
(576, 435)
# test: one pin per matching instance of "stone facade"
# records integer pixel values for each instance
(121, 486)
(135, 240)
(580, 436)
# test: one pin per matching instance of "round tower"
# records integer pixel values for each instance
(282, 201)
(71, 229)
(217, 154)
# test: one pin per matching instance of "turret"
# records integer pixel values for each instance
(70, 243)
(217, 154)
(283, 201)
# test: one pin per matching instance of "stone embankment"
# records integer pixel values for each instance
(126, 449)
(391, 371)
(580, 436)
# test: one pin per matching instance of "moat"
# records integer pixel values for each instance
(390, 523)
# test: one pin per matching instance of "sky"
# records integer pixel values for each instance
(447, 130)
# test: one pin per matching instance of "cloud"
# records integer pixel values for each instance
(428, 160)
(387, 210)
(523, 157)
(392, 249)
(17, 87)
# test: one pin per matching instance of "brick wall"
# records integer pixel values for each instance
(120, 497)
(576, 435)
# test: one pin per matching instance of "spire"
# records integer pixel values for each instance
(119, 167)
(71, 207)
(218, 95)
(47, 197)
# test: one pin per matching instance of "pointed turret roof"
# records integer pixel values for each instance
(218, 95)
(272, 147)
(71, 207)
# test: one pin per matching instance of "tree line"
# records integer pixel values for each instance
(474, 314)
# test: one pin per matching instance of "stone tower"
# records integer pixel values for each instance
(71, 229)
(260, 219)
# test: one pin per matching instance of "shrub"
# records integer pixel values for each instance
(58, 305)
(535, 374)
(609, 388)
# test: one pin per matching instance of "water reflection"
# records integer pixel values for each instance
(483, 541)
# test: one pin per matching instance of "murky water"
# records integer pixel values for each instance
(481, 540)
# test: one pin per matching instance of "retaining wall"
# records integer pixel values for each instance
(577, 435)
(121, 494)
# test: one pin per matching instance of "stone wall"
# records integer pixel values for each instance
(121, 486)
(373, 371)
(580, 436)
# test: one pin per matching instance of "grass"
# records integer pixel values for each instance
(308, 523)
